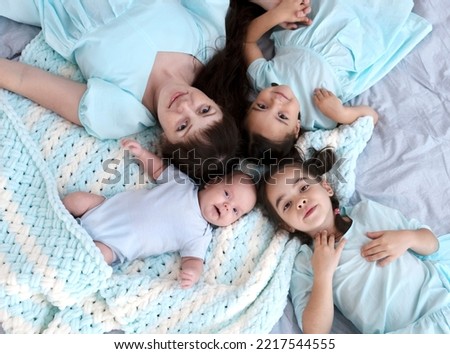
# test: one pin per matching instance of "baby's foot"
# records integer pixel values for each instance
(327, 102)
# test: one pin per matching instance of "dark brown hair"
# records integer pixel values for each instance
(206, 155)
(266, 150)
(320, 163)
(224, 77)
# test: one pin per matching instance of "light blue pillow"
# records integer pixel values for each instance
(348, 141)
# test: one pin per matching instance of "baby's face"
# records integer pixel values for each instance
(224, 202)
(274, 114)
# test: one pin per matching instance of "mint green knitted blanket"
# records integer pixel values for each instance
(54, 280)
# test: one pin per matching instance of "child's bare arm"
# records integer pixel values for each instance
(302, 20)
(153, 164)
(191, 269)
(319, 312)
(388, 245)
(285, 11)
(332, 107)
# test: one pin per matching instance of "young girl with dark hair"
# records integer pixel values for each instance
(384, 272)
(345, 48)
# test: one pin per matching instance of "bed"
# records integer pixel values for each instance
(52, 280)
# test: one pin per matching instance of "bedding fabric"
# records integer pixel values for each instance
(97, 35)
(53, 273)
(404, 165)
(348, 48)
(53, 278)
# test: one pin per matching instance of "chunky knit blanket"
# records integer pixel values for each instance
(54, 280)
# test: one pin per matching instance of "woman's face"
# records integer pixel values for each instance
(274, 114)
(302, 203)
(184, 111)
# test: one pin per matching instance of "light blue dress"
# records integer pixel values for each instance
(348, 48)
(410, 295)
(147, 222)
(115, 42)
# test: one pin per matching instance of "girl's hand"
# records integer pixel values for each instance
(133, 146)
(291, 13)
(326, 256)
(386, 246)
(327, 103)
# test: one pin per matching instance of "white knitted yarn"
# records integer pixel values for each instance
(53, 279)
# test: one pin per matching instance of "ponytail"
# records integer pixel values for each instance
(316, 166)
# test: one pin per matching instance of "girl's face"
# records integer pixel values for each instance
(184, 111)
(274, 113)
(302, 203)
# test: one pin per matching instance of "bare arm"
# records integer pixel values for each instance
(332, 107)
(270, 4)
(388, 245)
(56, 93)
(285, 11)
(319, 312)
(153, 164)
(191, 269)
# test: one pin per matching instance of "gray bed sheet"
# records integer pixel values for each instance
(406, 164)
(14, 36)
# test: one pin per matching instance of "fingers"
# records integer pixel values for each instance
(372, 257)
(127, 143)
(375, 234)
(324, 239)
(187, 279)
(384, 262)
(341, 245)
(321, 238)
(321, 93)
(132, 145)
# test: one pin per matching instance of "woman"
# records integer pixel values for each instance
(139, 59)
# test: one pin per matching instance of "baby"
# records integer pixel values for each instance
(176, 215)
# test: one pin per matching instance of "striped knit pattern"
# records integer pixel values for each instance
(53, 278)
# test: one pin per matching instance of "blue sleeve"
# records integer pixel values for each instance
(197, 246)
(108, 112)
(261, 74)
(211, 11)
(301, 282)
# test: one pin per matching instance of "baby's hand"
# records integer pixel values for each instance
(133, 146)
(188, 278)
(292, 13)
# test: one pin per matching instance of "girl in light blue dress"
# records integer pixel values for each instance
(345, 49)
(384, 272)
